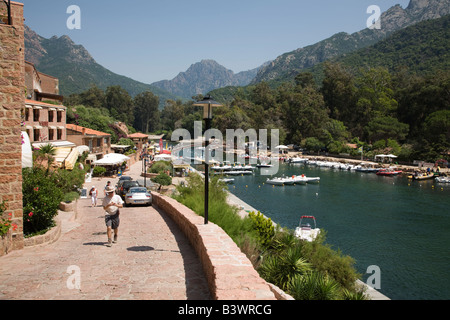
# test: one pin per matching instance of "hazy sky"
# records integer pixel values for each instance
(152, 40)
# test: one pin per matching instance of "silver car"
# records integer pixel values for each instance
(138, 195)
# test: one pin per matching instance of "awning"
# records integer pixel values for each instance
(55, 144)
(111, 159)
(27, 153)
(70, 161)
(83, 149)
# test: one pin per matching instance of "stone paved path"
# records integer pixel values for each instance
(152, 260)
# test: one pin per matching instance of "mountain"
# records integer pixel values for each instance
(288, 65)
(76, 69)
(423, 49)
(203, 77)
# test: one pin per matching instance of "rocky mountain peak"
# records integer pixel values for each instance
(418, 4)
(204, 76)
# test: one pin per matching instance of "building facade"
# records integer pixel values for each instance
(44, 122)
(99, 143)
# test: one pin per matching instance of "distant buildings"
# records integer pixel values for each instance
(99, 143)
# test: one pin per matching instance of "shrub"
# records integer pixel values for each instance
(41, 198)
(281, 269)
(161, 167)
(163, 179)
(71, 196)
(264, 228)
(99, 172)
(331, 262)
(5, 224)
(70, 180)
(314, 286)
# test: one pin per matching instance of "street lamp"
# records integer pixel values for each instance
(207, 103)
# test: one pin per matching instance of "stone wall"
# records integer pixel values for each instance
(229, 273)
(12, 102)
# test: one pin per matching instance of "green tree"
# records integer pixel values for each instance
(146, 112)
(375, 98)
(385, 127)
(93, 97)
(338, 89)
(304, 113)
(262, 95)
(172, 114)
(120, 104)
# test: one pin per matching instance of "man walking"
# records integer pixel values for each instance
(111, 204)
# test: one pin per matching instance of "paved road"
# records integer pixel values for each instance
(152, 260)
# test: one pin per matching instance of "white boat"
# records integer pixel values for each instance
(264, 165)
(223, 167)
(305, 232)
(443, 179)
(227, 180)
(299, 179)
(245, 167)
(298, 160)
(312, 179)
(276, 181)
(237, 172)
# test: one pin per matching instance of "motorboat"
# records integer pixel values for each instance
(388, 172)
(305, 231)
(300, 179)
(276, 181)
(238, 172)
(421, 176)
(264, 165)
(227, 180)
(297, 160)
(312, 179)
(443, 179)
(243, 167)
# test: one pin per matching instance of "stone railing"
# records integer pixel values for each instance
(229, 272)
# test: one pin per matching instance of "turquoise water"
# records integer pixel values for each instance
(399, 225)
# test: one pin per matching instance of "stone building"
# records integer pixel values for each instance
(12, 102)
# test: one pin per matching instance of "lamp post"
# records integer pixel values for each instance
(207, 103)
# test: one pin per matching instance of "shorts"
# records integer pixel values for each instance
(112, 221)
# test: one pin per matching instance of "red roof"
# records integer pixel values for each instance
(138, 135)
(39, 103)
(87, 131)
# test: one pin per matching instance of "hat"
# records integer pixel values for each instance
(109, 189)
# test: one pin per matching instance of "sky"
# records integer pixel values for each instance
(153, 40)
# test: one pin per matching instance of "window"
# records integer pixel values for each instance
(51, 134)
(50, 115)
(59, 116)
(59, 134)
(36, 135)
(36, 114)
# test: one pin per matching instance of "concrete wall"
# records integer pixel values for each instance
(229, 273)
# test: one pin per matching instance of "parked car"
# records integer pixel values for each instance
(138, 195)
(121, 180)
(123, 188)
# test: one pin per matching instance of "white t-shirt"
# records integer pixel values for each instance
(113, 209)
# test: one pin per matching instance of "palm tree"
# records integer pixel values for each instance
(47, 152)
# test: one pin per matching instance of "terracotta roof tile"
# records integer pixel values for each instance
(88, 131)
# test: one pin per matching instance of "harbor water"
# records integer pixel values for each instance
(396, 224)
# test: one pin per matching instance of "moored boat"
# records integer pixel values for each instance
(426, 176)
(388, 172)
(305, 231)
(443, 179)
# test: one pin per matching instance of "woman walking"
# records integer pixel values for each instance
(94, 194)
